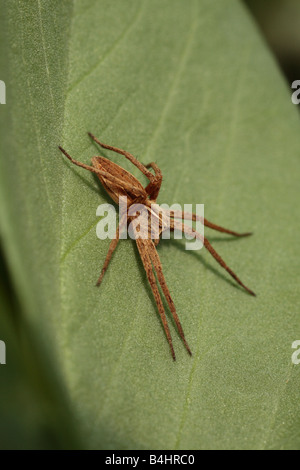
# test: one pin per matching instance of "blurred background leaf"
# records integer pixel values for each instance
(194, 88)
(32, 407)
(279, 23)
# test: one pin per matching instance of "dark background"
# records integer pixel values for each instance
(279, 22)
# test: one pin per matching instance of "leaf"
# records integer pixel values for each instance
(192, 87)
(34, 413)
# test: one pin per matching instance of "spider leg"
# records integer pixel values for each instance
(195, 217)
(156, 169)
(128, 155)
(105, 174)
(144, 254)
(153, 187)
(218, 228)
(158, 268)
(112, 247)
(190, 231)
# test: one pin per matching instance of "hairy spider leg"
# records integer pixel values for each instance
(143, 251)
(106, 175)
(128, 155)
(111, 249)
(113, 179)
(161, 278)
(153, 187)
(218, 228)
(190, 231)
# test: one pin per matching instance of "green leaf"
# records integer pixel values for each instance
(33, 409)
(191, 86)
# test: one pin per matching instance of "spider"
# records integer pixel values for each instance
(119, 183)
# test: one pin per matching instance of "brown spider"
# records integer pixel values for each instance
(119, 183)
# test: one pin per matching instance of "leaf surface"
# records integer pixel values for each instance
(191, 86)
